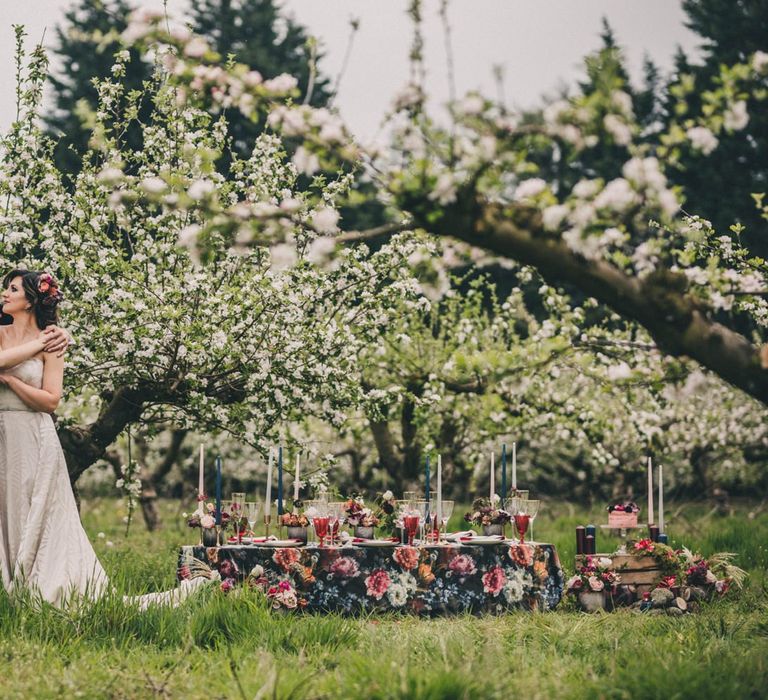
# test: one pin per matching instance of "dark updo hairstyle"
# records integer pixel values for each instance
(43, 294)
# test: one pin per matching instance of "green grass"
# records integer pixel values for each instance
(216, 646)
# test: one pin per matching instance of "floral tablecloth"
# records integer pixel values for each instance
(423, 580)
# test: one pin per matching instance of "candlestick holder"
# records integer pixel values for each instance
(267, 521)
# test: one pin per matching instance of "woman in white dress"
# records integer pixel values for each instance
(42, 542)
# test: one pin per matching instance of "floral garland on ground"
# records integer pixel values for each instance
(682, 567)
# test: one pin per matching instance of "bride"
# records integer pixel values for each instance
(42, 543)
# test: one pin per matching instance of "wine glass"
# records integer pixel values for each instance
(335, 512)
(320, 521)
(236, 508)
(507, 503)
(446, 510)
(252, 513)
(422, 508)
(532, 507)
(411, 520)
(519, 511)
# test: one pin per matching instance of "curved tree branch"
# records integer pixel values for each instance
(659, 302)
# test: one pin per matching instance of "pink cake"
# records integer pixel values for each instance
(619, 519)
(623, 514)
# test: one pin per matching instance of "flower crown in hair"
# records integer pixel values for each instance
(49, 288)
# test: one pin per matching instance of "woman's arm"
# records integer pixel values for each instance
(49, 339)
(12, 356)
(47, 398)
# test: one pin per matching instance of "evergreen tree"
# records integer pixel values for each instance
(87, 42)
(719, 187)
(256, 33)
(253, 31)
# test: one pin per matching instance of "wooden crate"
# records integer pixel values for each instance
(635, 570)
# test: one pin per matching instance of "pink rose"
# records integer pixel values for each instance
(596, 584)
(574, 583)
(377, 583)
(463, 565)
(227, 585)
(407, 557)
(207, 521)
(345, 567)
(494, 580)
(285, 557)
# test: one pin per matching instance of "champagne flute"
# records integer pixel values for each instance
(446, 510)
(422, 508)
(236, 508)
(335, 510)
(252, 513)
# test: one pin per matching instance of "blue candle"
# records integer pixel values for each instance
(591, 530)
(280, 480)
(503, 473)
(426, 491)
(218, 489)
(663, 538)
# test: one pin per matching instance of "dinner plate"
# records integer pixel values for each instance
(279, 543)
(375, 543)
(480, 539)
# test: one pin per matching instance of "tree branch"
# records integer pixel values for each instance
(659, 302)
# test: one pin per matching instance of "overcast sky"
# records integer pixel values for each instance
(539, 43)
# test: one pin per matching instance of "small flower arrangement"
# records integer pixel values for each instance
(293, 516)
(596, 575)
(626, 507)
(207, 519)
(356, 514)
(385, 503)
(483, 513)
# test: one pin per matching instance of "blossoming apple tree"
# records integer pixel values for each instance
(232, 340)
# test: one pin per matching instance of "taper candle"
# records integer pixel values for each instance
(503, 472)
(218, 489)
(439, 491)
(296, 481)
(279, 481)
(514, 466)
(201, 481)
(426, 488)
(650, 492)
(661, 499)
(268, 499)
(493, 478)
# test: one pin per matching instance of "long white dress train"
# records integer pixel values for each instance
(43, 545)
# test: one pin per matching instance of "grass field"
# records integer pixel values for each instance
(233, 647)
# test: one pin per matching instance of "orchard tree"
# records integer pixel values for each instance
(238, 339)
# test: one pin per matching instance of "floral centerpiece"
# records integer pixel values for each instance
(295, 520)
(205, 519)
(360, 517)
(597, 577)
(488, 515)
(386, 511)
